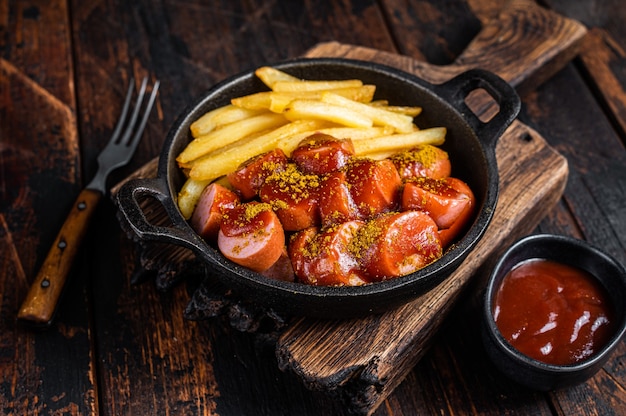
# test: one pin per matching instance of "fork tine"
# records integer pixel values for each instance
(142, 124)
(122, 117)
(133, 119)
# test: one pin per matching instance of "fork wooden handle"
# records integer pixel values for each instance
(42, 298)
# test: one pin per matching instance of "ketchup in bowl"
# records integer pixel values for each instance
(552, 312)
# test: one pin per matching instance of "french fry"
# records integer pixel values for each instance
(278, 101)
(189, 195)
(206, 122)
(256, 101)
(299, 86)
(406, 110)
(357, 133)
(228, 134)
(309, 109)
(219, 117)
(215, 165)
(381, 117)
(271, 76)
(435, 136)
(402, 109)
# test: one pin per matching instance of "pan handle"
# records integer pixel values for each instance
(458, 88)
(129, 199)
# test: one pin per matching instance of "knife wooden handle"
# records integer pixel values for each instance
(43, 295)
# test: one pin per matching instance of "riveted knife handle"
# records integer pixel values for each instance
(42, 298)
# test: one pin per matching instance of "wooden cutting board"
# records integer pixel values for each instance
(363, 360)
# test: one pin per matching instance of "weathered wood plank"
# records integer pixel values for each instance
(48, 371)
(592, 208)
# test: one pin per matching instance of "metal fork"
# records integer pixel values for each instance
(41, 301)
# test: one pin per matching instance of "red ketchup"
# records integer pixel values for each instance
(553, 312)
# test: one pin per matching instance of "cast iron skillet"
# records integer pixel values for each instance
(469, 142)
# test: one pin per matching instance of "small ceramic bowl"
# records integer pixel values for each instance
(531, 372)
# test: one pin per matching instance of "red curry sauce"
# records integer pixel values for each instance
(553, 312)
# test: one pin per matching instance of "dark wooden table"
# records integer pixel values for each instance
(118, 348)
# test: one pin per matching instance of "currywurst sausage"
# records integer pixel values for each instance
(249, 177)
(321, 154)
(213, 202)
(323, 216)
(399, 243)
(251, 235)
(324, 258)
(423, 161)
(450, 203)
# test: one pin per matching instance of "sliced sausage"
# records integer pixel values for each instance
(397, 244)
(425, 160)
(325, 258)
(321, 154)
(294, 196)
(374, 186)
(249, 177)
(445, 200)
(335, 201)
(252, 236)
(207, 216)
(464, 219)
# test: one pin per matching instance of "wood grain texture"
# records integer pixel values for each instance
(40, 177)
(137, 356)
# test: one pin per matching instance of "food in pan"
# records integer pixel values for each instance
(314, 181)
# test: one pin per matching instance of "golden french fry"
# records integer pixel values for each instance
(256, 101)
(189, 195)
(309, 109)
(271, 76)
(280, 100)
(434, 136)
(229, 134)
(362, 94)
(215, 165)
(219, 117)
(206, 123)
(305, 85)
(381, 117)
(401, 109)
(406, 110)
(277, 101)
(357, 133)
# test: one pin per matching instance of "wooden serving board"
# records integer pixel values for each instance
(363, 360)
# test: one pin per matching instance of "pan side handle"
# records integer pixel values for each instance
(457, 90)
(130, 199)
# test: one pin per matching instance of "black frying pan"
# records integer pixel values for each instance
(470, 144)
